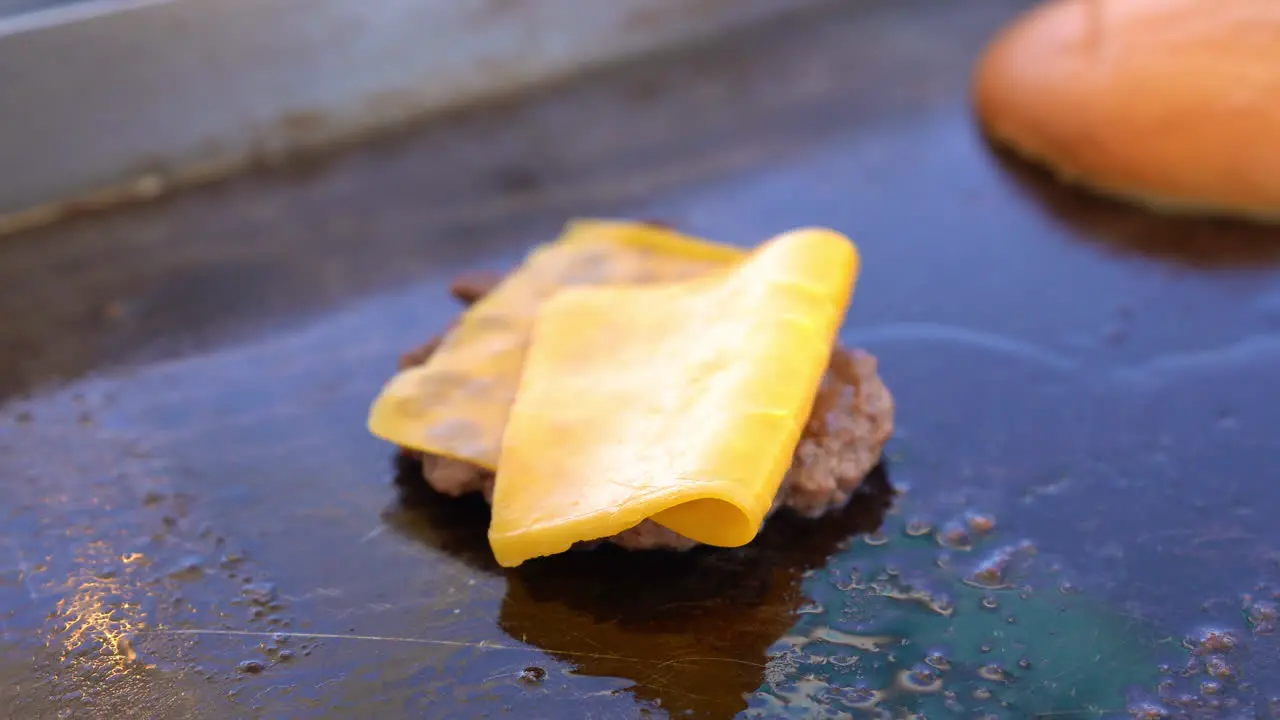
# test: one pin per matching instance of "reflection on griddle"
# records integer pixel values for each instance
(1200, 242)
(690, 630)
(458, 526)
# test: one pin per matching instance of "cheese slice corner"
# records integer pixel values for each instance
(680, 402)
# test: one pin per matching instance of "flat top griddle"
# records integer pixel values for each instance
(199, 525)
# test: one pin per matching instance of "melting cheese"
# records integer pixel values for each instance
(456, 404)
(681, 402)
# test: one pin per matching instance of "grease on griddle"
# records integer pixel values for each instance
(606, 613)
(1127, 230)
(1014, 647)
(1261, 614)
(457, 526)
(945, 644)
(124, 565)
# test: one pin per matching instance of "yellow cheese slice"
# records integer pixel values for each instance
(681, 402)
(456, 404)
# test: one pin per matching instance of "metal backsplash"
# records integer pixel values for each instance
(131, 94)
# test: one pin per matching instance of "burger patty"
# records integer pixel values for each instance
(852, 419)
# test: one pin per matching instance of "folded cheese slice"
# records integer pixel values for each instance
(681, 402)
(456, 404)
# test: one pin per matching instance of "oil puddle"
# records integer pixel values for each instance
(1013, 576)
(686, 635)
(1008, 579)
(952, 618)
(107, 553)
(956, 617)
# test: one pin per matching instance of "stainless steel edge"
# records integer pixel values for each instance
(102, 94)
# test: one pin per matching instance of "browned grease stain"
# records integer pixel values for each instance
(687, 631)
(708, 621)
(1199, 242)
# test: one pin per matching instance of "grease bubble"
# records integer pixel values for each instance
(992, 672)
(876, 538)
(953, 535)
(1218, 668)
(937, 659)
(980, 523)
(1210, 641)
(917, 528)
(919, 679)
(1147, 711)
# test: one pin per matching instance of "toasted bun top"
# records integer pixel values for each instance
(1173, 103)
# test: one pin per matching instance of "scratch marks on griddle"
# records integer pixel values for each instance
(1251, 352)
(502, 675)
(954, 335)
(690, 660)
(479, 645)
(451, 599)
